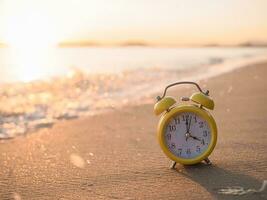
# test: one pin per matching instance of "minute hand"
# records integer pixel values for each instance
(186, 124)
(195, 138)
(188, 130)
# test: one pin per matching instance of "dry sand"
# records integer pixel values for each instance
(116, 155)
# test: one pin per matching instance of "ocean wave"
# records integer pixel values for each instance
(27, 107)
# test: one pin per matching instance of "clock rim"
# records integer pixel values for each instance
(180, 109)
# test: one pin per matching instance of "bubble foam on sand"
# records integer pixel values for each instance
(237, 190)
(27, 107)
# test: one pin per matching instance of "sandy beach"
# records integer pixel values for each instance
(116, 155)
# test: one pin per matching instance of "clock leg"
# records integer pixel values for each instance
(207, 161)
(173, 165)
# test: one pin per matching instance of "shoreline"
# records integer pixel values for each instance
(116, 154)
(35, 110)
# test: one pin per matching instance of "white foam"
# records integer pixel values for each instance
(26, 107)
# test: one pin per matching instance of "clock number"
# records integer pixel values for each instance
(183, 118)
(169, 136)
(198, 149)
(172, 127)
(201, 124)
(173, 145)
(180, 152)
(177, 120)
(203, 142)
(188, 151)
(205, 133)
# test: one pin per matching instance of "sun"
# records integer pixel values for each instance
(30, 37)
(30, 30)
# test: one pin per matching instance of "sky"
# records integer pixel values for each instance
(158, 22)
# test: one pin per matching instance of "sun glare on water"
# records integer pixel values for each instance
(30, 37)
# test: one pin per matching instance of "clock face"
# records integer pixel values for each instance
(187, 135)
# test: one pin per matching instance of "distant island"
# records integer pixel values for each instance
(133, 43)
(137, 43)
(253, 44)
(77, 44)
(244, 44)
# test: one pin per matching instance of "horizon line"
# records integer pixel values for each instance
(136, 43)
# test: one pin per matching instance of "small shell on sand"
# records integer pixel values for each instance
(77, 160)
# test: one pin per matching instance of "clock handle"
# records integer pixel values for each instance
(180, 83)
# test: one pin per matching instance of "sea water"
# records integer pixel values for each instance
(26, 64)
(41, 86)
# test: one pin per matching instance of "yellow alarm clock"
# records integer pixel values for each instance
(187, 133)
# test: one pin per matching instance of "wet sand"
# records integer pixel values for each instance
(116, 155)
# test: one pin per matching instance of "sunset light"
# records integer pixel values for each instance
(26, 27)
(168, 22)
(29, 38)
(30, 35)
(30, 30)
(81, 79)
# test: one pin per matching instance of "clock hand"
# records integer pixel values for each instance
(189, 124)
(187, 134)
(186, 123)
(194, 137)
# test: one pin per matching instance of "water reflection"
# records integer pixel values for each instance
(25, 107)
(29, 63)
